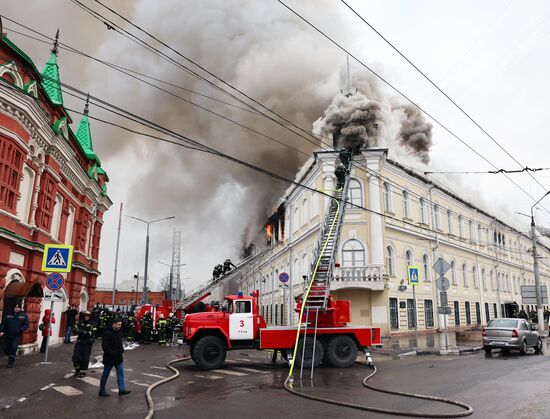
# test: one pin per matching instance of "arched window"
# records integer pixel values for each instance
(474, 276)
(408, 259)
(25, 189)
(387, 196)
(305, 211)
(390, 261)
(56, 218)
(422, 206)
(296, 223)
(353, 253)
(464, 275)
(70, 224)
(471, 230)
(305, 266)
(453, 272)
(483, 281)
(437, 221)
(426, 267)
(355, 193)
(460, 226)
(406, 205)
(492, 279)
(450, 221)
(88, 234)
(479, 238)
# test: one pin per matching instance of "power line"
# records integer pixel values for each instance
(466, 114)
(493, 172)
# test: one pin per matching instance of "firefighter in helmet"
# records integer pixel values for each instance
(340, 174)
(85, 330)
(163, 328)
(345, 157)
(227, 266)
(218, 271)
(146, 327)
(131, 327)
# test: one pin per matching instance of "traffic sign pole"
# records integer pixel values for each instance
(415, 315)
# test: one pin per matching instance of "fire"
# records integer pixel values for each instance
(269, 230)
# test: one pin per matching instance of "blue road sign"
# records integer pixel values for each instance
(54, 281)
(413, 274)
(57, 258)
(283, 277)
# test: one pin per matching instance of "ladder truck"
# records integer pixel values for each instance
(323, 333)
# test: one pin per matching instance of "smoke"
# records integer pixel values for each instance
(416, 133)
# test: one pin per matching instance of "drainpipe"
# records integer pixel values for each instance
(434, 249)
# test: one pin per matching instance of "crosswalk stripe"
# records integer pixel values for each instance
(48, 386)
(244, 359)
(238, 374)
(210, 377)
(251, 370)
(139, 383)
(159, 368)
(153, 375)
(68, 390)
(90, 380)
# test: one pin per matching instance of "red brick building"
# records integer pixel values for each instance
(125, 299)
(52, 189)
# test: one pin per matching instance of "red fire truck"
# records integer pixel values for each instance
(238, 325)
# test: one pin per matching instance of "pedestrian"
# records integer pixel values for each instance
(46, 329)
(85, 330)
(113, 356)
(70, 315)
(12, 327)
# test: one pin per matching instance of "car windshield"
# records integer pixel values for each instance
(503, 323)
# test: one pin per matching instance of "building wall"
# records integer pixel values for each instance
(126, 298)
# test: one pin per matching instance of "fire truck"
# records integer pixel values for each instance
(238, 325)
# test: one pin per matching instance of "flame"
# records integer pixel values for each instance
(269, 230)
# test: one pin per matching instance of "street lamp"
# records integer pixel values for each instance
(144, 297)
(171, 277)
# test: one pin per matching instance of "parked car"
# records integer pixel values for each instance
(507, 334)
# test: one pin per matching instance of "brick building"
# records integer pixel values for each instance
(126, 299)
(52, 189)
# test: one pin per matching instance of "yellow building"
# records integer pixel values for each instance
(400, 218)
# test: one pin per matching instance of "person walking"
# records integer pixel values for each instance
(113, 356)
(85, 330)
(70, 314)
(12, 327)
(46, 330)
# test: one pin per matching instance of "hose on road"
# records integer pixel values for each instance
(468, 409)
(160, 382)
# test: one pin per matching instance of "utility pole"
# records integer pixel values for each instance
(116, 255)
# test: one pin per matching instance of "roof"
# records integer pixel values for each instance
(84, 138)
(51, 81)
(19, 52)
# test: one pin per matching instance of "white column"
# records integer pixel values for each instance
(376, 233)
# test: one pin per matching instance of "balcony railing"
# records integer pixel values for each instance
(367, 277)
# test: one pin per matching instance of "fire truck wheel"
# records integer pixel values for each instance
(341, 351)
(209, 352)
(319, 352)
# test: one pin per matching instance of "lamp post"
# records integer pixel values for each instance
(144, 297)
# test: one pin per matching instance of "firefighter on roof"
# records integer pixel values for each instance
(227, 266)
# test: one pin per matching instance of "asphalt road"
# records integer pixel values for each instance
(250, 386)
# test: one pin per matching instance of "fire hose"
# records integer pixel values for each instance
(148, 396)
(468, 409)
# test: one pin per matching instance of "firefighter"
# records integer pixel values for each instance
(131, 327)
(85, 330)
(102, 323)
(340, 174)
(163, 329)
(227, 266)
(146, 327)
(172, 325)
(218, 271)
(345, 157)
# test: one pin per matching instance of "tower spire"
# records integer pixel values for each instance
(347, 92)
(87, 105)
(55, 42)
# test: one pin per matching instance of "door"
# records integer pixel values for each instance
(241, 321)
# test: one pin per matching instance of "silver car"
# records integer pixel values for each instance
(511, 334)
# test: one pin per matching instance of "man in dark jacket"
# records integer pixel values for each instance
(113, 352)
(70, 313)
(13, 325)
(85, 330)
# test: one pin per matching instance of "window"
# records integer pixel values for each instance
(56, 219)
(394, 314)
(11, 165)
(408, 258)
(453, 273)
(406, 205)
(457, 313)
(467, 310)
(282, 313)
(460, 226)
(305, 211)
(483, 282)
(88, 235)
(479, 239)
(471, 230)
(495, 312)
(353, 253)
(243, 307)
(450, 221)
(429, 313)
(305, 267)
(387, 196)
(422, 205)
(464, 275)
(296, 223)
(276, 317)
(121, 301)
(355, 193)
(487, 314)
(70, 224)
(426, 267)
(478, 313)
(492, 279)
(411, 313)
(474, 276)
(389, 261)
(26, 190)
(437, 221)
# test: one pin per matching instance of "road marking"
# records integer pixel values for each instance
(159, 368)
(210, 377)
(153, 375)
(90, 380)
(128, 369)
(68, 390)
(68, 375)
(22, 399)
(139, 383)
(251, 370)
(245, 360)
(48, 386)
(238, 374)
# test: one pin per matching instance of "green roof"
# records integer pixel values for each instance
(52, 82)
(84, 138)
(19, 52)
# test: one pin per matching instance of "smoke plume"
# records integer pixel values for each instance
(416, 133)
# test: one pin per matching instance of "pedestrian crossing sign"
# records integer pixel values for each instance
(413, 274)
(57, 258)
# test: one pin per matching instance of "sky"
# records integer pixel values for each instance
(491, 57)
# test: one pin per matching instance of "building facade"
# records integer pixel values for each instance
(52, 189)
(399, 218)
(126, 299)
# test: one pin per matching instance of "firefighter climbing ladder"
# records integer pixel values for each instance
(317, 294)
